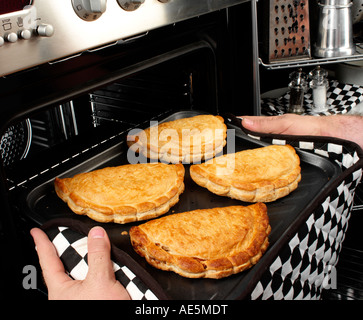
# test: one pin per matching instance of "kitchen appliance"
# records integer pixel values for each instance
(85, 73)
(81, 74)
(335, 29)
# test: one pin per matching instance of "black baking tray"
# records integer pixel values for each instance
(42, 204)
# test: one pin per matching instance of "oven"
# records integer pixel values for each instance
(78, 75)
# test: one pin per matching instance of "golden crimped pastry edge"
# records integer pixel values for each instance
(192, 267)
(126, 214)
(265, 191)
(176, 155)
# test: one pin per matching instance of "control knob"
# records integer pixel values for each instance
(130, 5)
(89, 10)
(25, 34)
(11, 37)
(45, 30)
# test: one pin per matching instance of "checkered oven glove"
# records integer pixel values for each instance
(71, 247)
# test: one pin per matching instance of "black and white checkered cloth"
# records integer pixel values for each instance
(304, 266)
(341, 98)
(71, 247)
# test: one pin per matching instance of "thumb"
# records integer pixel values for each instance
(99, 256)
(284, 124)
(260, 124)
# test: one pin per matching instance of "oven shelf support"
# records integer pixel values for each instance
(256, 61)
(310, 62)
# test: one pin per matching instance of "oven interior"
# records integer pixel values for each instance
(65, 134)
(66, 129)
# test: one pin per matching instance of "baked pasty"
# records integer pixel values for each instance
(187, 140)
(257, 175)
(125, 193)
(206, 243)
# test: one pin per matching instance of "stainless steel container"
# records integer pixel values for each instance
(335, 29)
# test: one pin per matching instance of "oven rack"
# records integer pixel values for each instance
(113, 110)
(139, 97)
(311, 62)
(100, 103)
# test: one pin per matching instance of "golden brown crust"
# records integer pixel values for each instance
(125, 193)
(186, 140)
(206, 243)
(257, 175)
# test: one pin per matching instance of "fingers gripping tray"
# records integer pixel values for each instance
(307, 226)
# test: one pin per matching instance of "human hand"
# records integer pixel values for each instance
(347, 127)
(100, 282)
(289, 124)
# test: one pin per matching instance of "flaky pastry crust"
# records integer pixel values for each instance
(123, 194)
(206, 243)
(186, 140)
(256, 175)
